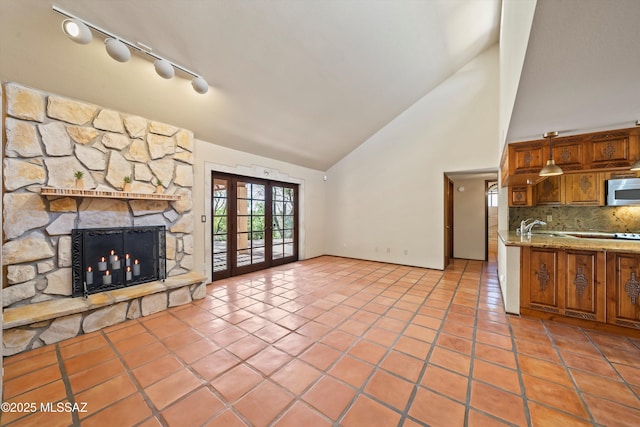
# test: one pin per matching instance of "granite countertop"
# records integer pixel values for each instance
(571, 240)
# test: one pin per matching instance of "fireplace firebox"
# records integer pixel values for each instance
(113, 258)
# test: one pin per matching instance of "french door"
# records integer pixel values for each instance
(254, 224)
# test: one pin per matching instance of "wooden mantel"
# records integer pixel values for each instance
(73, 192)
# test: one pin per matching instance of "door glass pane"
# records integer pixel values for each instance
(278, 208)
(278, 223)
(257, 256)
(278, 251)
(243, 258)
(257, 192)
(288, 194)
(288, 249)
(288, 235)
(243, 242)
(219, 188)
(244, 223)
(288, 222)
(288, 208)
(278, 193)
(257, 207)
(257, 240)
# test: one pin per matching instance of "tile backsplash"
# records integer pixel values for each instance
(580, 218)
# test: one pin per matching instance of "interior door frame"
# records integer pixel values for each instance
(448, 221)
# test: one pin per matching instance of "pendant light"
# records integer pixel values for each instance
(551, 169)
(636, 166)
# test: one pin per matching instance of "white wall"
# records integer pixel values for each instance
(469, 223)
(515, 28)
(386, 197)
(312, 189)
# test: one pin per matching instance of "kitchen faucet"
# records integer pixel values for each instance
(526, 228)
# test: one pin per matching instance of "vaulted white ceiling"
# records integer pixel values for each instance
(304, 81)
(581, 71)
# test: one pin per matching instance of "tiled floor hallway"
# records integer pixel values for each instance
(333, 341)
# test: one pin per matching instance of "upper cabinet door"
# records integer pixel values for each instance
(568, 153)
(612, 150)
(526, 158)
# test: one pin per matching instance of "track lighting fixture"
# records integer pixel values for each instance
(117, 50)
(164, 68)
(77, 31)
(80, 31)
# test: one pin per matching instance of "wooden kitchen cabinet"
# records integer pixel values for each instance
(521, 196)
(569, 153)
(584, 285)
(613, 149)
(540, 268)
(623, 289)
(550, 191)
(586, 189)
(565, 282)
(526, 158)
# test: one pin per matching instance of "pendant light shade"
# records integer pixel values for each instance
(200, 85)
(77, 31)
(164, 68)
(118, 50)
(551, 169)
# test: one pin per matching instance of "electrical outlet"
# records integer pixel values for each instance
(203, 218)
(549, 218)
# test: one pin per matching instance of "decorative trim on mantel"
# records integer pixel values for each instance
(73, 192)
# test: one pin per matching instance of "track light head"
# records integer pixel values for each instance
(200, 85)
(117, 50)
(77, 31)
(164, 68)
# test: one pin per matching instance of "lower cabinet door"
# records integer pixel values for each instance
(540, 281)
(584, 285)
(623, 289)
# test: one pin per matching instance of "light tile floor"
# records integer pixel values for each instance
(334, 341)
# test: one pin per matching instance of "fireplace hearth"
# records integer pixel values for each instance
(113, 258)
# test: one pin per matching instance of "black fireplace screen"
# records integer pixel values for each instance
(112, 258)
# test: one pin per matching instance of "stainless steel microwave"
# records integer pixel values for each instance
(621, 192)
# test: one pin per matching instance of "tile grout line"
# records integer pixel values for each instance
(67, 384)
(418, 381)
(473, 359)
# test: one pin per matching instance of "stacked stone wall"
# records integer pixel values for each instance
(48, 139)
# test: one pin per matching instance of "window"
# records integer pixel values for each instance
(492, 195)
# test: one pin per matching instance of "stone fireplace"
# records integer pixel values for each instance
(113, 258)
(49, 139)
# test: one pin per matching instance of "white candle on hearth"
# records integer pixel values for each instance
(102, 264)
(115, 264)
(89, 276)
(128, 272)
(106, 279)
(112, 256)
(136, 268)
(127, 260)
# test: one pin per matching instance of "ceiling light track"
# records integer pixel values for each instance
(79, 30)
